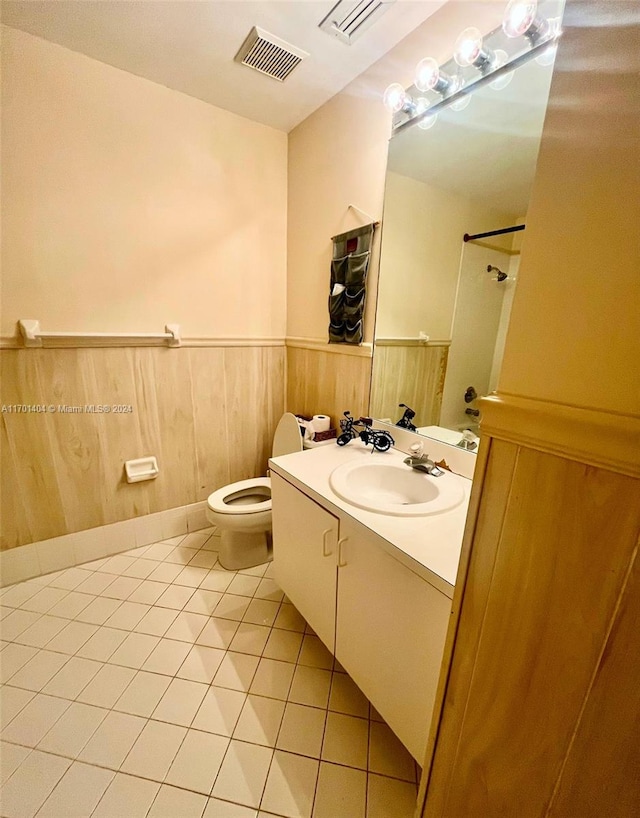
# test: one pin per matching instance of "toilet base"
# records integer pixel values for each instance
(239, 549)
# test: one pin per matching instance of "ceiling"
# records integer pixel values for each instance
(189, 46)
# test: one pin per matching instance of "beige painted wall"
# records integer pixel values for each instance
(575, 322)
(127, 205)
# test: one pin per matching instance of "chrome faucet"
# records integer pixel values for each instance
(421, 462)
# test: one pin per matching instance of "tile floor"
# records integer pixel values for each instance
(155, 683)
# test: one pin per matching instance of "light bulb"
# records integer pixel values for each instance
(429, 77)
(428, 122)
(547, 57)
(461, 103)
(503, 80)
(469, 51)
(395, 98)
(518, 17)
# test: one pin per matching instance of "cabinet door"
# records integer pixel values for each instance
(304, 556)
(391, 628)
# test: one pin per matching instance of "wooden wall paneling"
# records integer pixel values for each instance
(175, 415)
(14, 525)
(30, 446)
(75, 444)
(561, 558)
(601, 775)
(327, 382)
(113, 383)
(149, 425)
(209, 420)
(490, 494)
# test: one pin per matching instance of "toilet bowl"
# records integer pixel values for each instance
(242, 510)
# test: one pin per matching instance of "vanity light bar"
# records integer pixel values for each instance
(476, 62)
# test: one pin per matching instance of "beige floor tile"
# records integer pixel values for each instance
(11, 757)
(390, 798)
(15, 595)
(141, 568)
(77, 792)
(243, 774)
(388, 756)
(35, 720)
(204, 559)
(167, 657)
(103, 644)
(148, 592)
(218, 633)
(143, 693)
(44, 600)
(176, 596)
(310, 686)
(346, 740)
(302, 730)
(203, 602)
(340, 791)
(166, 572)
(181, 555)
(201, 664)
(156, 621)
(244, 585)
(127, 616)
(283, 645)
(154, 750)
(117, 564)
(127, 797)
(12, 702)
(314, 653)
(180, 702)
(261, 612)
(73, 730)
(121, 587)
(219, 711)
(191, 576)
(71, 679)
(95, 583)
(107, 686)
(73, 603)
(32, 783)
(134, 650)
(172, 802)
(273, 679)
(217, 581)
(98, 611)
(260, 721)
(42, 631)
(110, 744)
(250, 638)
(236, 671)
(70, 578)
(158, 551)
(72, 638)
(197, 762)
(346, 697)
(187, 627)
(17, 622)
(232, 606)
(289, 618)
(269, 589)
(224, 809)
(15, 657)
(39, 670)
(290, 785)
(256, 570)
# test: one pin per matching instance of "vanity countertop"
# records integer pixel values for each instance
(430, 546)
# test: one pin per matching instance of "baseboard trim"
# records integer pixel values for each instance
(602, 439)
(43, 557)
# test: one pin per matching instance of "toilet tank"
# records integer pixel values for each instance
(287, 438)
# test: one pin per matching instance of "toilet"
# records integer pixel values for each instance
(242, 510)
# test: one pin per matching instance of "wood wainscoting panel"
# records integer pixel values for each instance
(320, 382)
(535, 626)
(207, 414)
(413, 375)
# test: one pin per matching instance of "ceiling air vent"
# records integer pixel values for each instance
(269, 54)
(348, 19)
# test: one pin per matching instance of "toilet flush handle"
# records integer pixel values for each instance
(325, 550)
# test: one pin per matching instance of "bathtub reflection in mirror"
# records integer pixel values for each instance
(444, 304)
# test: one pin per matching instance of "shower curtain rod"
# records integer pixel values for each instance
(515, 229)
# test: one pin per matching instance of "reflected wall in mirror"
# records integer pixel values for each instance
(443, 304)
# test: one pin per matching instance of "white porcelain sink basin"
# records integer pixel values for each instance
(390, 487)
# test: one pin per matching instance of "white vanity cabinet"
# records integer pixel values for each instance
(385, 624)
(305, 538)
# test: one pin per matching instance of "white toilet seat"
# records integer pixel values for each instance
(236, 497)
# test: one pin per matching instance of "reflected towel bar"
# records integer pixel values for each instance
(33, 336)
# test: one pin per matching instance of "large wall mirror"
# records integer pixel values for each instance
(443, 303)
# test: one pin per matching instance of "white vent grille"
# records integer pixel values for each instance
(348, 19)
(269, 54)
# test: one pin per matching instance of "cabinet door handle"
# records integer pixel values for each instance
(341, 563)
(325, 551)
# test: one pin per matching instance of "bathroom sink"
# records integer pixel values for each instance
(390, 487)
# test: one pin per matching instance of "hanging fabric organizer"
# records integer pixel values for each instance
(348, 289)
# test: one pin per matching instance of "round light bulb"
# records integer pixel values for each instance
(394, 98)
(461, 103)
(427, 74)
(547, 57)
(518, 17)
(428, 122)
(468, 47)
